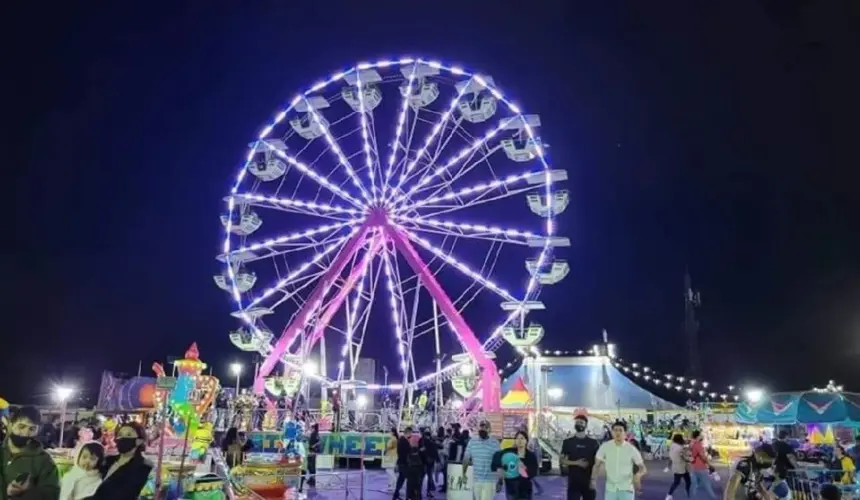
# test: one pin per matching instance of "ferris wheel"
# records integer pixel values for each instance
(406, 190)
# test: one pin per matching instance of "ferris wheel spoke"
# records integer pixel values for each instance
(299, 206)
(319, 178)
(395, 300)
(530, 180)
(300, 240)
(468, 230)
(401, 124)
(336, 150)
(428, 141)
(363, 111)
(457, 264)
(427, 178)
(441, 144)
(356, 274)
(303, 268)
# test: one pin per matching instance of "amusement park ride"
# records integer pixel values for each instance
(369, 197)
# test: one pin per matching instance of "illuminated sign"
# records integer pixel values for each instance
(344, 444)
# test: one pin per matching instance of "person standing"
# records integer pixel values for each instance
(430, 457)
(618, 458)
(26, 469)
(403, 449)
(700, 466)
(534, 447)
(314, 449)
(479, 454)
(577, 459)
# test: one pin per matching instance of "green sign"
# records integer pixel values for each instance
(165, 383)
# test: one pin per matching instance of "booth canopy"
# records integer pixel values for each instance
(784, 408)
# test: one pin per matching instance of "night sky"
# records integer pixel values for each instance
(719, 136)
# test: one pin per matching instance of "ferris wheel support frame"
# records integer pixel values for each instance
(491, 385)
(378, 221)
(295, 327)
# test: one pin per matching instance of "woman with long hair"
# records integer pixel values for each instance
(678, 458)
(518, 466)
(125, 474)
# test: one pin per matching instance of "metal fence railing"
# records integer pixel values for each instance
(807, 484)
(345, 420)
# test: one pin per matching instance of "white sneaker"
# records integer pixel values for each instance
(668, 497)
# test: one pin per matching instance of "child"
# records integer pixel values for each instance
(83, 479)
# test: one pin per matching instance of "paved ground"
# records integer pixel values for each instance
(655, 485)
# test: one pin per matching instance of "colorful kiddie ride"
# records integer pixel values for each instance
(183, 440)
(274, 467)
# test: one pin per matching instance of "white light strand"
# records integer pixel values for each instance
(335, 148)
(319, 178)
(401, 123)
(302, 268)
(467, 227)
(287, 238)
(474, 189)
(365, 136)
(395, 309)
(292, 202)
(428, 141)
(425, 179)
(352, 317)
(462, 267)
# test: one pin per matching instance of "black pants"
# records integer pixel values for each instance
(312, 470)
(414, 478)
(580, 491)
(677, 481)
(430, 472)
(401, 478)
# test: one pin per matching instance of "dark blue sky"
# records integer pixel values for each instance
(718, 136)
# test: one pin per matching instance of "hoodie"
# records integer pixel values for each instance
(34, 461)
(78, 483)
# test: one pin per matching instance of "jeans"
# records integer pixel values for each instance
(483, 490)
(618, 495)
(677, 481)
(703, 478)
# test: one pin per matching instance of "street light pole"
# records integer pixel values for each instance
(236, 368)
(62, 395)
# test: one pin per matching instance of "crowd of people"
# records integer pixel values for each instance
(28, 472)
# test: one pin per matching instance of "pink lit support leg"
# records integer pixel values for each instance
(491, 386)
(337, 301)
(288, 336)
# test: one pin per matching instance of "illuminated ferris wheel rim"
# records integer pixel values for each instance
(385, 202)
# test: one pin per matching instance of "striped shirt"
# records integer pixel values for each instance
(481, 452)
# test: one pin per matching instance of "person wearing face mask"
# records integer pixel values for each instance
(577, 459)
(27, 472)
(125, 474)
(479, 454)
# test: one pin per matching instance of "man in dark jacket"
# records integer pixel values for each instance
(403, 449)
(27, 472)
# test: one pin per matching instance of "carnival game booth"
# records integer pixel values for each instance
(819, 416)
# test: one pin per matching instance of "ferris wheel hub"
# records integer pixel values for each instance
(377, 216)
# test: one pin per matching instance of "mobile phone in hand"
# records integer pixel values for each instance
(22, 478)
